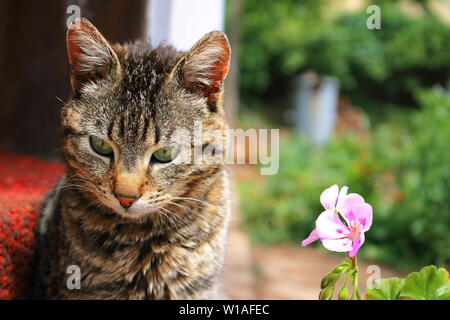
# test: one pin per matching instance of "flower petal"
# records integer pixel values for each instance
(329, 226)
(313, 236)
(356, 245)
(338, 245)
(341, 197)
(350, 201)
(363, 213)
(329, 197)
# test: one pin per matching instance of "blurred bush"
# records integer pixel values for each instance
(281, 39)
(402, 169)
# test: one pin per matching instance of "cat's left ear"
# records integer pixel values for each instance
(206, 64)
(90, 55)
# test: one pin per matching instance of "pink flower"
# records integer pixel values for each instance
(331, 200)
(337, 235)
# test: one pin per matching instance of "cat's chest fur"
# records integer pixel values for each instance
(122, 260)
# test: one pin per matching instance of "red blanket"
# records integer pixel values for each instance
(24, 183)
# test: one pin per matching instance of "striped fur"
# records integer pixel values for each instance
(170, 244)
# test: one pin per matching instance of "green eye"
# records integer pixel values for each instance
(100, 146)
(165, 154)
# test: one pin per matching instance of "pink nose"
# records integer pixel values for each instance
(125, 201)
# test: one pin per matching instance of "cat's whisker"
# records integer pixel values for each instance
(84, 184)
(168, 217)
(187, 208)
(177, 217)
(73, 187)
(193, 199)
(92, 203)
(81, 187)
(59, 99)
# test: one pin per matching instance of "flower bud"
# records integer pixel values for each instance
(329, 280)
(341, 268)
(326, 293)
(343, 294)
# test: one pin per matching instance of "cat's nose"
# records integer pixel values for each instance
(125, 200)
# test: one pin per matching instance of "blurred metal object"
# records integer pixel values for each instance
(315, 103)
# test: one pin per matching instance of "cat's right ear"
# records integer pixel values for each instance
(90, 55)
(204, 67)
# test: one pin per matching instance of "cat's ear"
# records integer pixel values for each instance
(206, 64)
(90, 55)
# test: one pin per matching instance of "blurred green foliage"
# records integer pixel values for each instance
(401, 168)
(280, 39)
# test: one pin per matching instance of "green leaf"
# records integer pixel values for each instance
(427, 284)
(385, 289)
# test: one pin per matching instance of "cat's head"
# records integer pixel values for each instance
(129, 127)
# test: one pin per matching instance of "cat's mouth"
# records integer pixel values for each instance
(142, 208)
(139, 208)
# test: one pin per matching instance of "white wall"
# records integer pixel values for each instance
(183, 22)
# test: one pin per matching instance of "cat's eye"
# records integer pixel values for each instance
(165, 155)
(100, 146)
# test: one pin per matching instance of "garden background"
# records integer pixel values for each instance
(390, 141)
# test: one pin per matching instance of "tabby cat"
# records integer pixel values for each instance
(137, 221)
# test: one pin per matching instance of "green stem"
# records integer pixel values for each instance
(355, 279)
(354, 262)
(354, 290)
(345, 282)
(358, 294)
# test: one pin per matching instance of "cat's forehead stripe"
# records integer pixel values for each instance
(146, 123)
